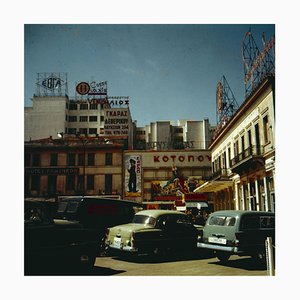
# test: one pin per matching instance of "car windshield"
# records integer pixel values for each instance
(143, 219)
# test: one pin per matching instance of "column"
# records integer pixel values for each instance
(249, 196)
(257, 195)
(266, 194)
(242, 197)
(237, 204)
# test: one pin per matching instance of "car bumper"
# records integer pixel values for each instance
(229, 249)
(123, 248)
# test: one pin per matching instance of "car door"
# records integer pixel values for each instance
(177, 232)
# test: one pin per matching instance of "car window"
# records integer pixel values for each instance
(222, 221)
(143, 219)
(182, 220)
(62, 207)
(72, 207)
(267, 222)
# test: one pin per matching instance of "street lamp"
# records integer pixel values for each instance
(60, 135)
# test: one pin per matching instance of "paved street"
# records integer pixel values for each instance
(178, 265)
(186, 264)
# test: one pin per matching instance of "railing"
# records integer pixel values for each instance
(247, 153)
(220, 173)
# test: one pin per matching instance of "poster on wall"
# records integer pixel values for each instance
(176, 185)
(133, 175)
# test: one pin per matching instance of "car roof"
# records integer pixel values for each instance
(158, 212)
(100, 199)
(242, 212)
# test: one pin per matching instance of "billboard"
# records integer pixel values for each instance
(116, 121)
(133, 175)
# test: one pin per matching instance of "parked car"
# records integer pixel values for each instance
(51, 243)
(97, 213)
(153, 232)
(238, 232)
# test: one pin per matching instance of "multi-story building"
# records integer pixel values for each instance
(94, 114)
(243, 155)
(70, 166)
(168, 135)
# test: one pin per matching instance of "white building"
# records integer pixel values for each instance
(167, 135)
(243, 155)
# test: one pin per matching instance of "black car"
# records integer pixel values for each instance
(53, 243)
(97, 213)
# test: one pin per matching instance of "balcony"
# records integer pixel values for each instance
(221, 174)
(249, 159)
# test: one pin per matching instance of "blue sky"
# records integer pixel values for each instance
(169, 72)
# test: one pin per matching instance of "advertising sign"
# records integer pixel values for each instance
(116, 121)
(51, 84)
(133, 175)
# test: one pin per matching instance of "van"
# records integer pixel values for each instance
(238, 232)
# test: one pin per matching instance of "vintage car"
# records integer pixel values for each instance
(52, 244)
(97, 213)
(237, 232)
(153, 232)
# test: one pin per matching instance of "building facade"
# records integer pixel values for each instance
(243, 155)
(171, 135)
(91, 112)
(73, 166)
(166, 176)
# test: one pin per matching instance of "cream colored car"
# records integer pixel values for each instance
(154, 231)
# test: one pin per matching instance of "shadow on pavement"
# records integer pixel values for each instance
(246, 263)
(167, 257)
(95, 271)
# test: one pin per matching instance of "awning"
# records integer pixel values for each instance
(196, 204)
(214, 186)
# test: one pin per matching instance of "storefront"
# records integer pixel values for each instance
(163, 177)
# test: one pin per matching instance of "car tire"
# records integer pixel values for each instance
(223, 257)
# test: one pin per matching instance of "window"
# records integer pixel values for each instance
(71, 130)
(83, 131)
(229, 156)
(93, 118)
(52, 179)
(266, 126)
(53, 159)
(83, 118)
(70, 182)
(72, 118)
(72, 106)
(27, 159)
(101, 118)
(80, 159)
(35, 182)
(222, 221)
(71, 159)
(94, 106)
(92, 130)
(91, 159)
(108, 159)
(108, 184)
(84, 106)
(90, 182)
(36, 160)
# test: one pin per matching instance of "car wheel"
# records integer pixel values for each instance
(222, 257)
